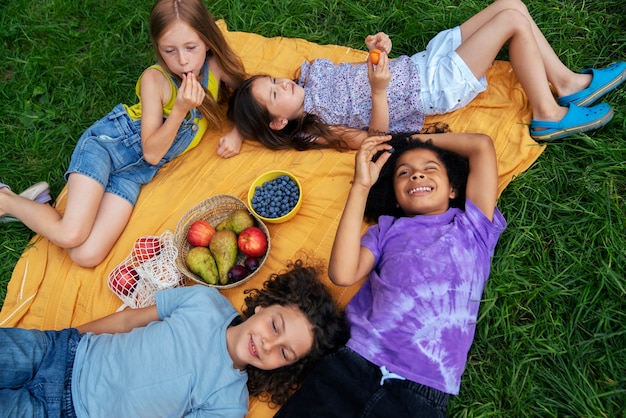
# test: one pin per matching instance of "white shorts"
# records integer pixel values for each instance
(447, 82)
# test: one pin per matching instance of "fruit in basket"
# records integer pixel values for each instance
(236, 221)
(125, 280)
(146, 248)
(252, 242)
(237, 273)
(251, 263)
(200, 233)
(200, 261)
(223, 246)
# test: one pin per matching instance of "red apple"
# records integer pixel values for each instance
(200, 233)
(146, 248)
(252, 242)
(125, 280)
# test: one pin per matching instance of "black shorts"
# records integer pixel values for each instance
(345, 385)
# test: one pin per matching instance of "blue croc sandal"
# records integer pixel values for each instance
(602, 82)
(578, 119)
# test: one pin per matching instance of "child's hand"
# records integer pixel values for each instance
(190, 94)
(366, 171)
(380, 41)
(379, 75)
(230, 144)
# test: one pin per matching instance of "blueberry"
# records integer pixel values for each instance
(275, 198)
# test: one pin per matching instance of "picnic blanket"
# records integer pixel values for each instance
(48, 291)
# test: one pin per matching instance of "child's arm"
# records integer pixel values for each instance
(379, 80)
(349, 261)
(482, 182)
(123, 321)
(156, 135)
(379, 77)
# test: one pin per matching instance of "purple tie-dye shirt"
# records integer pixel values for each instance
(341, 94)
(416, 313)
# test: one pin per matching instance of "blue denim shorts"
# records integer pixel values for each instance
(345, 385)
(110, 152)
(447, 82)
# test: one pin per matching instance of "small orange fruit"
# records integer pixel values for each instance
(374, 56)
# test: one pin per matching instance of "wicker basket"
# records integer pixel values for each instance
(213, 210)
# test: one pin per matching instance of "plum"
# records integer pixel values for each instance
(237, 273)
(251, 263)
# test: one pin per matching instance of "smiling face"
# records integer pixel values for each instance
(182, 49)
(282, 97)
(275, 336)
(421, 183)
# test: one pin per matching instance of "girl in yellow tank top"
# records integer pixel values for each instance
(127, 147)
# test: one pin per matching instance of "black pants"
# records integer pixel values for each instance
(345, 385)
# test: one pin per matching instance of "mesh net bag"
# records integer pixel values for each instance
(149, 267)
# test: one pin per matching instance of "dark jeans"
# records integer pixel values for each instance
(346, 385)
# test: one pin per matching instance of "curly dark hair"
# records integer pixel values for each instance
(300, 287)
(381, 199)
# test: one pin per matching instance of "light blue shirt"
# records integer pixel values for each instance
(176, 367)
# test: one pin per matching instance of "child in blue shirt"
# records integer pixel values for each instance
(191, 354)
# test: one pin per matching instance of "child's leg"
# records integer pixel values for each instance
(22, 354)
(34, 367)
(111, 220)
(90, 225)
(65, 230)
(562, 78)
(535, 64)
(483, 37)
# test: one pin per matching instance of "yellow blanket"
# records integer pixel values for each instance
(48, 291)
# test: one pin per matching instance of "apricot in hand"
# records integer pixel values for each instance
(374, 56)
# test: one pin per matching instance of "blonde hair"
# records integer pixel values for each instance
(196, 15)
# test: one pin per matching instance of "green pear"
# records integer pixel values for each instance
(236, 221)
(200, 261)
(223, 246)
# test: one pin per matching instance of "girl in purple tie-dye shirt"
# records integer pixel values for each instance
(427, 260)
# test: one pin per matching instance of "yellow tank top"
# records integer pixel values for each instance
(134, 111)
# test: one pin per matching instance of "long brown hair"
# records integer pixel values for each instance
(196, 15)
(253, 121)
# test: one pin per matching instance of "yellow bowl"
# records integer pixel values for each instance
(266, 177)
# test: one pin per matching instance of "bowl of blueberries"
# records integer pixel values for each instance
(275, 196)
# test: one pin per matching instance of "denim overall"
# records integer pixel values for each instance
(110, 151)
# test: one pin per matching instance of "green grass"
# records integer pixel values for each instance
(551, 339)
